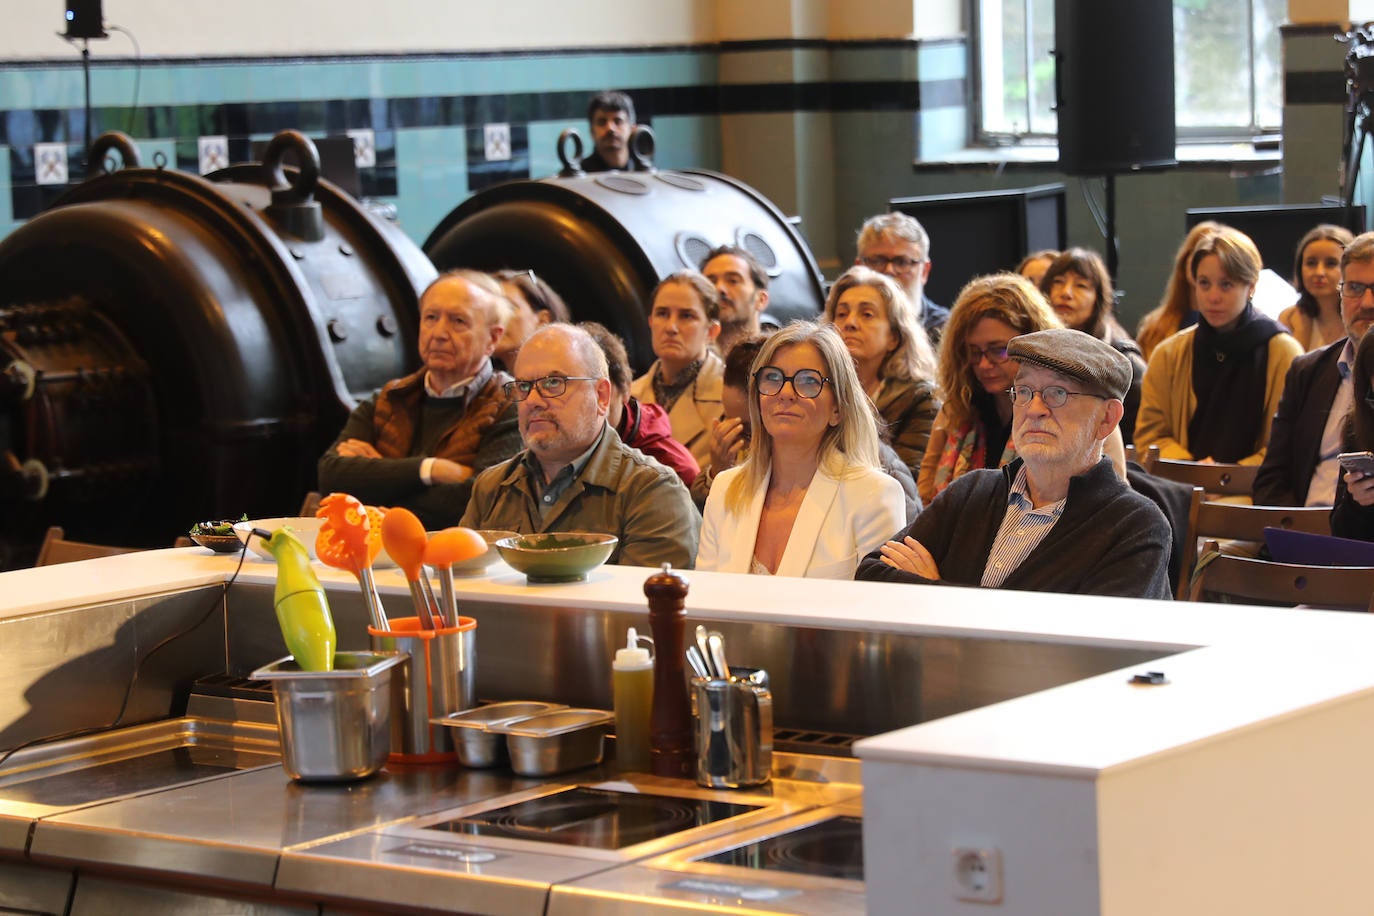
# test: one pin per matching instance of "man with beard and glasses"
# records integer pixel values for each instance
(1056, 519)
(742, 284)
(1300, 466)
(575, 474)
(899, 246)
(418, 442)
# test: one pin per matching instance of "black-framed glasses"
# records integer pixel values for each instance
(807, 383)
(996, 354)
(1354, 289)
(901, 262)
(550, 386)
(1054, 396)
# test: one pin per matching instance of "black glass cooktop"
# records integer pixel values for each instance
(831, 848)
(598, 818)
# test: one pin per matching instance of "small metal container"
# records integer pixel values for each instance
(335, 725)
(473, 738)
(734, 729)
(568, 739)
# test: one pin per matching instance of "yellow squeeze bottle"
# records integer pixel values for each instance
(302, 609)
(632, 686)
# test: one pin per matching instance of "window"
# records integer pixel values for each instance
(1227, 68)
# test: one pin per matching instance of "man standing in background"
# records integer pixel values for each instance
(611, 116)
(742, 284)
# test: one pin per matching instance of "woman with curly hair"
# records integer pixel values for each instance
(973, 428)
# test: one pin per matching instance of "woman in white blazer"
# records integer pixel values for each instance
(810, 500)
(685, 379)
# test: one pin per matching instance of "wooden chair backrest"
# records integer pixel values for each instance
(1229, 521)
(57, 549)
(1216, 479)
(1334, 587)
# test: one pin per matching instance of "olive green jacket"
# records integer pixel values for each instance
(621, 491)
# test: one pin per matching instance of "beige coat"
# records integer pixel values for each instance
(696, 410)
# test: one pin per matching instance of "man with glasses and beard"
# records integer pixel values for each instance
(1300, 466)
(575, 474)
(1056, 519)
(897, 245)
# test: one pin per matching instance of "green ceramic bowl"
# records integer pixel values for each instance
(565, 556)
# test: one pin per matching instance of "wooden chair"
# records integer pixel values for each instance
(57, 549)
(1267, 582)
(1216, 479)
(1230, 521)
(309, 505)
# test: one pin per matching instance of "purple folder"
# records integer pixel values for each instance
(1287, 546)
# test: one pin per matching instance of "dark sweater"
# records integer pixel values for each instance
(1109, 540)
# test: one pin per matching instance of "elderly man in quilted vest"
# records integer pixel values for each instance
(418, 442)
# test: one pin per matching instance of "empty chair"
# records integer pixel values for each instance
(1215, 479)
(57, 549)
(1267, 582)
(1218, 520)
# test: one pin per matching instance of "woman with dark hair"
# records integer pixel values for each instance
(1080, 292)
(1315, 319)
(532, 303)
(1212, 389)
(891, 354)
(1176, 310)
(810, 499)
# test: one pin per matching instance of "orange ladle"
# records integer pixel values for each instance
(350, 539)
(403, 536)
(452, 545)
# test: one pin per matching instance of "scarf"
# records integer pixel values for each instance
(1230, 372)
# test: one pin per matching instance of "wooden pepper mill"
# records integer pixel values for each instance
(670, 718)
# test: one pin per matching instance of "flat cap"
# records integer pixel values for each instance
(1075, 355)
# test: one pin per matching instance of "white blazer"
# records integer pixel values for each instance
(697, 408)
(839, 522)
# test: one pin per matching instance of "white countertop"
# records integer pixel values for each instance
(1259, 663)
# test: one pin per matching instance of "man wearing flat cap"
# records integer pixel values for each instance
(1058, 518)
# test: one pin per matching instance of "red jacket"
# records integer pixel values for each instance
(646, 427)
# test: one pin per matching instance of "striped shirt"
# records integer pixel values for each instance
(1022, 530)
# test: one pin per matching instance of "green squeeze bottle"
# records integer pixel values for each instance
(302, 609)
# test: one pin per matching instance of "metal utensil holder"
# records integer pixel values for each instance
(734, 729)
(439, 679)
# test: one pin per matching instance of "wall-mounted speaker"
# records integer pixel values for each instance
(1114, 83)
(85, 20)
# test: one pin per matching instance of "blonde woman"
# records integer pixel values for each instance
(810, 499)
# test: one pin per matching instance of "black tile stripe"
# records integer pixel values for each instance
(1314, 88)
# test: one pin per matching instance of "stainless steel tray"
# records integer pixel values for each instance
(65, 775)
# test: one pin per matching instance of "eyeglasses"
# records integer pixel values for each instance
(550, 386)
(807, 383)
(995, 354)
(1354, 289)
(901, 262)
(1054, 396)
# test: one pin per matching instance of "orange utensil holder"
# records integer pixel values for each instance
(440, 678)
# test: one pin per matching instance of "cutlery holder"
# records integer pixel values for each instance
(440, 678)
(734, 730)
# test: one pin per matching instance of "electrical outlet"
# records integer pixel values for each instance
(977, 874)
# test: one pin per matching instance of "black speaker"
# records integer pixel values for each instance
(85, 20)
(1114, 82)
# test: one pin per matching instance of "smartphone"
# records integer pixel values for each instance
(1357, 461)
